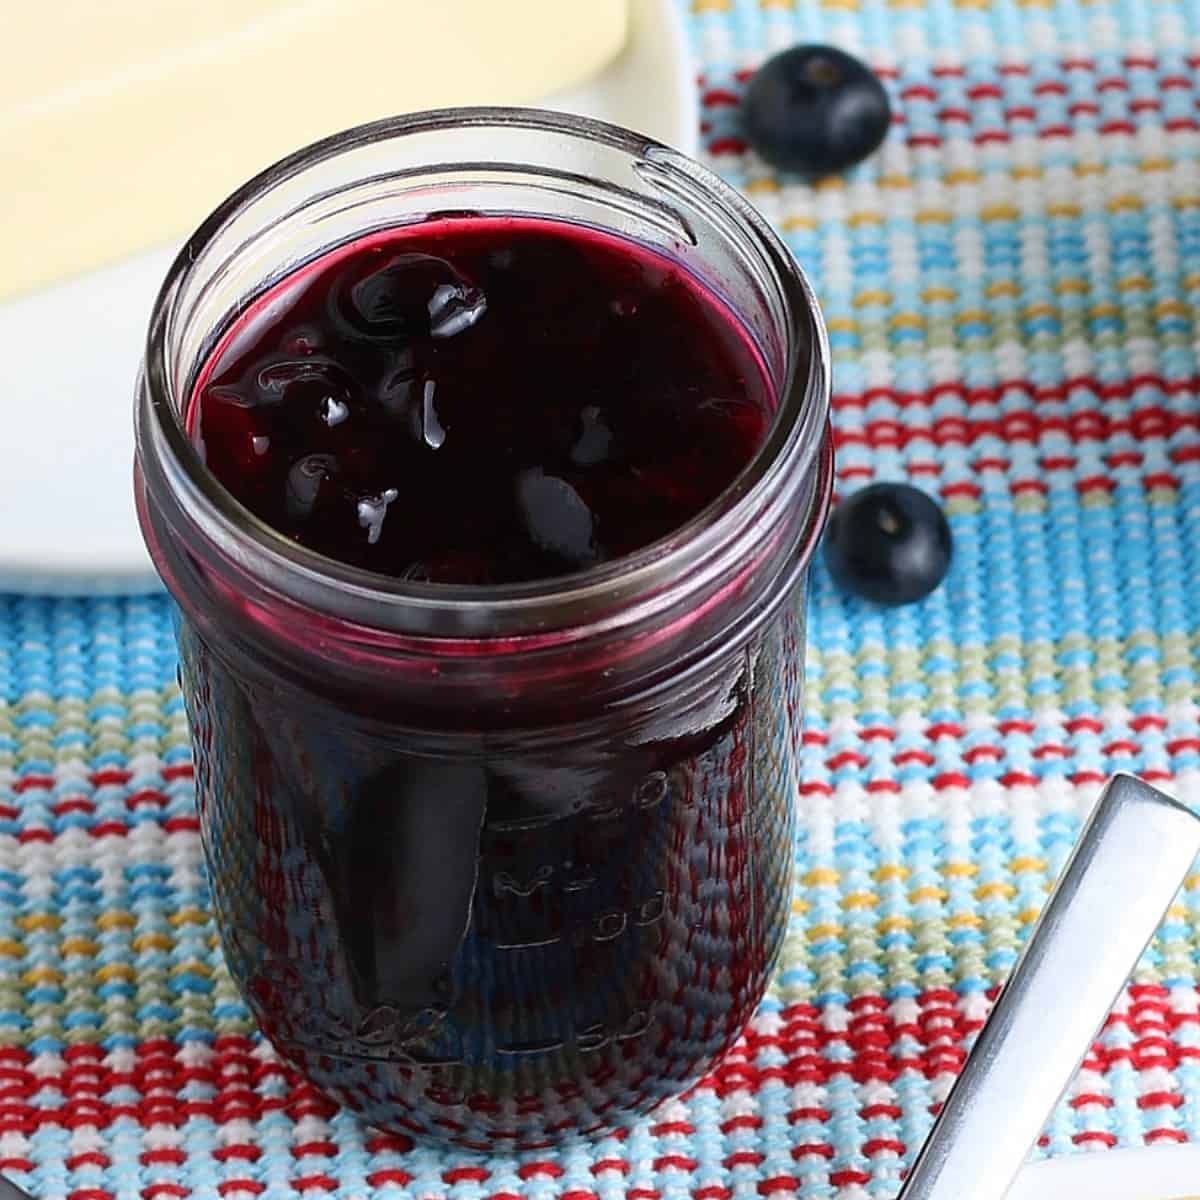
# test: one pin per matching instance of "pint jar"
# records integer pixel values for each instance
(494, 864)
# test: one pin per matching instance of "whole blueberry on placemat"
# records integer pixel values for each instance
(889, 543)
(815, 110)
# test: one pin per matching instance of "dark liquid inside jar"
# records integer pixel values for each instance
(494, 944)
(498, 945)
(482, 401)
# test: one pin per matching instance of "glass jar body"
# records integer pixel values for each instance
(500, 939)
(494, 864)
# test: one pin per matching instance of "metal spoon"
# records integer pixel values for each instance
(1131, 859)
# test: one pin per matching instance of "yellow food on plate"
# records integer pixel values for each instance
(123, 123)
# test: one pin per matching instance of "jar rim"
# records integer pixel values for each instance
(786, 457)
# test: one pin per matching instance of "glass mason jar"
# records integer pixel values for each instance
(498, 863)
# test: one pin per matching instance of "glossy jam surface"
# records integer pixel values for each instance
(482, 400)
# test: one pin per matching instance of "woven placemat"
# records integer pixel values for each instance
(1009, 286)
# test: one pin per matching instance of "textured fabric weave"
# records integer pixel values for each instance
(1010, 288)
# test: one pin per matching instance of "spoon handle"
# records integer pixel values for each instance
(1131, 860)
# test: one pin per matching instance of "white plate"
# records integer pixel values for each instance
(1155, 1173)
(69, 356)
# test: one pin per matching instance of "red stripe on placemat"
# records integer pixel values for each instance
(386, 1175)
(1038, 393)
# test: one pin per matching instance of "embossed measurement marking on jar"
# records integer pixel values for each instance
(647, 794)
(603, 926)
(384, 1036)
(597, 1036)
(505, 884)
(579, 877)
(589, 1039)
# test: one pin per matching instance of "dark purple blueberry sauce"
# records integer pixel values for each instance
(492, 935)
(481, 400)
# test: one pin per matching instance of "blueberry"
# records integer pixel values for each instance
(889, 543)
(411, 295)
(291, 381)
(595, 438)
(555, 517)
(815, 110)
(453, 308)
(400, 381)
(232, 432)
(305, 480)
